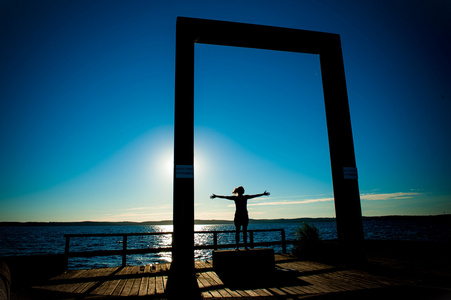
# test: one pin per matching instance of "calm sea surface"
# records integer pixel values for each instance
(32, 240)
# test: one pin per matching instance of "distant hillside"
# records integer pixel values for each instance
(165, 222)
(437, 218)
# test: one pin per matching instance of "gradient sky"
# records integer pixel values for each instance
(87, 109)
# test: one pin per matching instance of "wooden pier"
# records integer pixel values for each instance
(292, 279)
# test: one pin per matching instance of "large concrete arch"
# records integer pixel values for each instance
(343, 165)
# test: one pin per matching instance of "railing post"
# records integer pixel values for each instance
(215, 240)
(284, 243)
(251, 238)
(124, 250)
(66, 251)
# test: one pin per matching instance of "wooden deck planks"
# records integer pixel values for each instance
(218, 282)
(162, 278)
(208, 283)
(202, 282)
(68, 287)
(143, 288)
(114, 284)
(310, 278)
(277, 291)
(159, 285)
(129, 282)
(120, 285)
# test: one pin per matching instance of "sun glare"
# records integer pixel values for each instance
(168, 165)
(164, 163)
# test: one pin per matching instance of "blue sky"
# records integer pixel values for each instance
(87, 103)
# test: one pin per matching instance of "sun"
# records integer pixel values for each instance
(164, 163)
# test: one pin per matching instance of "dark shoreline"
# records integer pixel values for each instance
(445, 218)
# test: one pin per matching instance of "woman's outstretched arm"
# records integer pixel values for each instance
(265, 193)
(223, 197)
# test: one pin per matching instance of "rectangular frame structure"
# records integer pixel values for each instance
(328, 47)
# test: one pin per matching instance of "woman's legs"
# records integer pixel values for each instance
(245, 236)
(237, 235)
(241, 220)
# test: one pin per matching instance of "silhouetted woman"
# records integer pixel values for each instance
(241, 215)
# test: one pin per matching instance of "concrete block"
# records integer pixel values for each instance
(239, 262)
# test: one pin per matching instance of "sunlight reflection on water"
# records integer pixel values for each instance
(32, 240)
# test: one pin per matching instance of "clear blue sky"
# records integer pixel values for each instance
(87, 101)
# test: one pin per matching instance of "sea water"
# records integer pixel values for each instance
(34, 240)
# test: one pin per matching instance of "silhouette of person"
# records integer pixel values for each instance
(241, 215)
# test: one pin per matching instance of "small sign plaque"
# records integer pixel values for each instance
(350, 173)
(184, 171)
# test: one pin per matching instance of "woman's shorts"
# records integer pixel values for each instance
(241, 220)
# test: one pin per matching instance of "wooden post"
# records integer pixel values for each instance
(284, 242)
(124, 250)
(66, 251)
(215, 240)
(343, 165)
(182, 281)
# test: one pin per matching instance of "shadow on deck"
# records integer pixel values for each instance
(292, 279)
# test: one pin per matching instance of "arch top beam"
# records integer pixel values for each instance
(256, 36)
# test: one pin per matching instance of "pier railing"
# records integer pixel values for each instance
(126, 251)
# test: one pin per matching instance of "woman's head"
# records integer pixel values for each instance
(239, 190)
